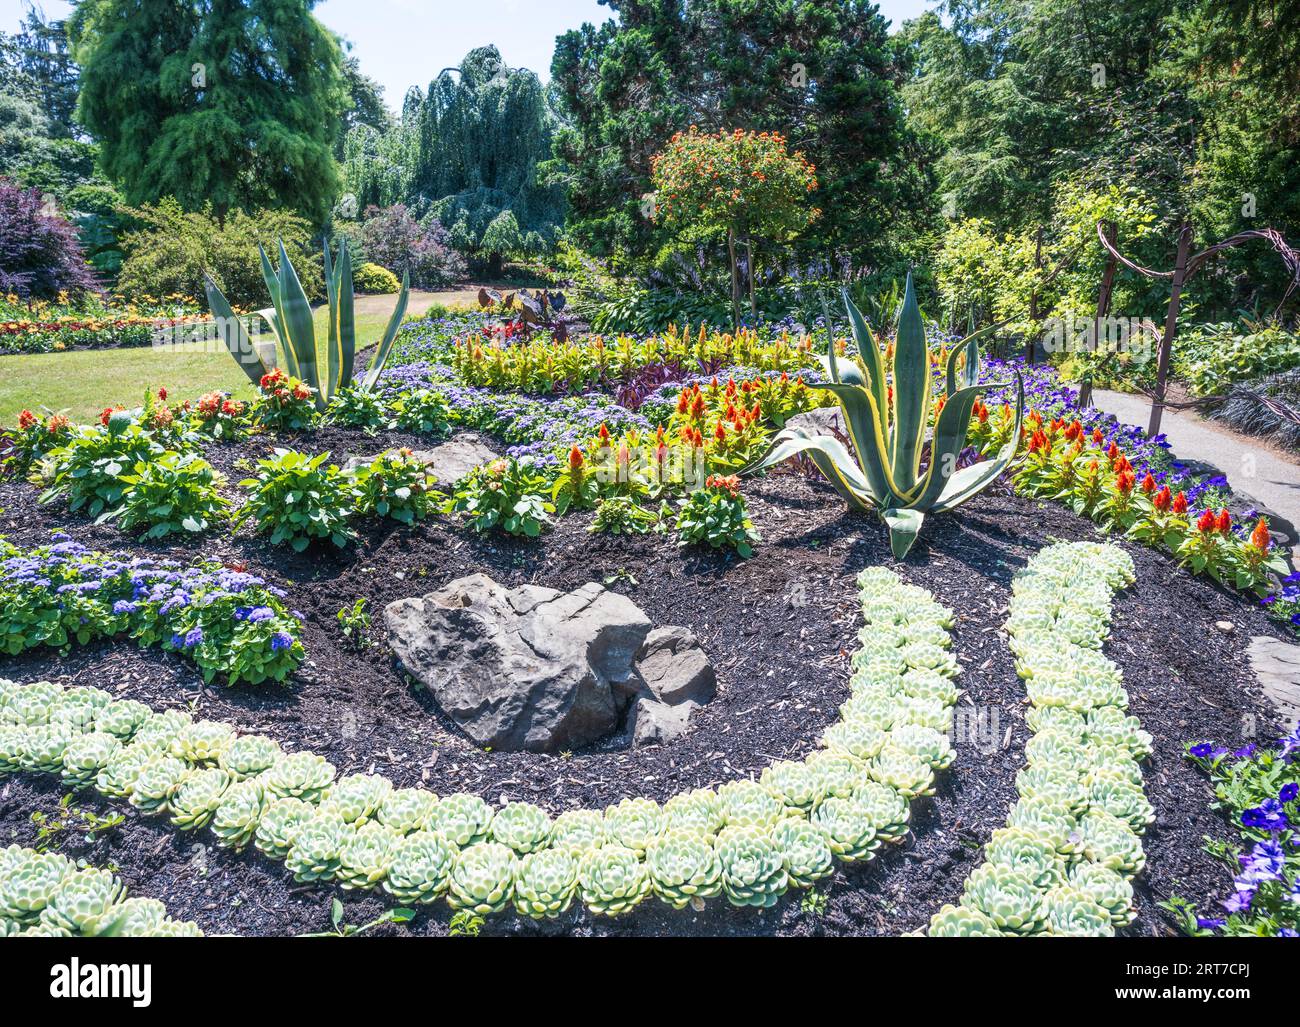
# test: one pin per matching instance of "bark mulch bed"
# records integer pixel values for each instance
(779, 627)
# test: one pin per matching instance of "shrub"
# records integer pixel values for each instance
(298, 498)
(1212, 357)
(172, 493)
(172, 249)
(422, 411)
(371, 278)
(715, 516)
(394, 485)
(36, 436)
(39, 253)
(357, 408)
(392, 238)
(218, 415)
(507, 495)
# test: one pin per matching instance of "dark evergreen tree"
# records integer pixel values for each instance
(233, 103)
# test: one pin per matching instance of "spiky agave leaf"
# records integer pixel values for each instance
(390, 334)
(233, 334)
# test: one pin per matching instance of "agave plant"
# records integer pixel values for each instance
(290, 317)
(888, 423)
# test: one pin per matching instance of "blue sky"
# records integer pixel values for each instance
(407, 42)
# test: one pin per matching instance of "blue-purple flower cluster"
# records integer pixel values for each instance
(1260, 785)
(1284, 605)
(229, 622)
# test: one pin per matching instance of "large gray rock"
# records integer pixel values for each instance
(530, 668)
(674, 667)
(657, 723)
(1277, 665)
(448, 462)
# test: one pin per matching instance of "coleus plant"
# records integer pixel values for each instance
(887, 426)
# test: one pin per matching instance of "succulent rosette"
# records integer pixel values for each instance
(849, 829)
(807, 854)
(545, 883)
(612, 879)
(1109, 889)
(962, 922)
(76, 715)
(837, 773)
(30, 705)
(578, 830)
(906, 773)
(356, 799)
(82, 899)
(1116, 793)
(161, 729)
(683, 867)
(419, 867)
(43, 747)
(248, 756)
(300, 775)
(796, 785)
(236, 818)
(197, 797)
(314, 852)
(633, 823)
(749, 804)
(13, 746)
(462, 819)
(1008, 897)
(27, 885)
(522, 826)
(1029, 853)
(1074, 913)
(856, 735)
(1110, 841)
(118, 776)
(86, 755)
(202, 742)
(156, 782)
(407, 809)
(122, 718)
(925, 743)
(699, 810)
(1051, 820)
(886, 809)
(365, 854)
(483, 878)
(753, 868)
(280, 823)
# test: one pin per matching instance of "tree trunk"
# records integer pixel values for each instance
(1171, 328)
(495, 266)
(749, 260)
(735, 280)
(1031, 346)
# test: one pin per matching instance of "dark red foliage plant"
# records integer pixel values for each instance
(39, 253)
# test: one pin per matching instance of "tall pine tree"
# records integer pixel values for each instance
(235, 103)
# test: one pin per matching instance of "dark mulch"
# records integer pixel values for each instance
(779, 627)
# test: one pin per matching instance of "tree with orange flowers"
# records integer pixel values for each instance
(736, 184)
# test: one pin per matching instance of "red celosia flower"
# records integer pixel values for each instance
(1223, 523)
(682, 399)
(162, 394)
(1097, 437)
(603, 433)
(1259, 538)
(1180, 504)
(1124, 481)
(105, 415)
(1148, 484)
(1163, 499)
(1112, 453)
(1205, 523)
(57, 423)
(720, 432)
(575, 458)
(26, 419)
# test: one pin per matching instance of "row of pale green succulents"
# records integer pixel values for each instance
(747, 841)
(47, 895)
(1063, 863)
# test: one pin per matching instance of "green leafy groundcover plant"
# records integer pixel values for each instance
(396, 485)
(715, 516)
(298, 498)
(749, 841)
(1062, 864)
(1259, 788)
(227, 621)
(504, 494)
(170, 494)
(45, 895)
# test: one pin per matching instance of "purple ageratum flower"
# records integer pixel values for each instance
(177, 642)
(281, 640)
(193, 637)
(123, 606)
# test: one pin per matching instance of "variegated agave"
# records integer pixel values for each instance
(887, 426)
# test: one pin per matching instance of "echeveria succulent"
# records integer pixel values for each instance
(279, 824)
(698, 810)
(633, 823)
(86, 755)
(236, 819)
(156, 782)
(300, 775)
(1008, 897)
(749, 804)
(357, 798)
(419, 867)
(753, 868)
(545, 883)
(522, 826)
(683, 867)
(483, 878)
(407, 809)
(25, 888)
(462, 818)
(1072, 912)
(249, 755)
(202, 742)
(962, 922)
(807, 855)
(82, 899)
(314, 853)
(849, 829)
(613, 879)
(197, 797)
(365, 854)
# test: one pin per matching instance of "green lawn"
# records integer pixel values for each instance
(83, 382)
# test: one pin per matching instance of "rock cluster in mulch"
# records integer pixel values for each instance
(1277, 665)
(534, 669)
